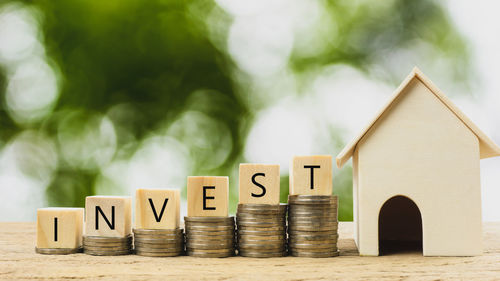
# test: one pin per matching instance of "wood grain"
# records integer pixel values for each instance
(18, 261)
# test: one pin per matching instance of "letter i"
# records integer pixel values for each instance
(55, 229)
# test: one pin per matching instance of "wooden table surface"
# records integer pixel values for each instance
(19, 261)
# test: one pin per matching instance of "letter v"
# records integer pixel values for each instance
(158, 218)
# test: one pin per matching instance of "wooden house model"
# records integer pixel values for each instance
(416, 174)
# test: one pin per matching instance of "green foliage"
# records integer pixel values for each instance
(138, 66)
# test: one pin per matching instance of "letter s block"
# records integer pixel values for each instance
(59, 228)
(208, 196)
(108, 216)
(157, 208)
(311, 175)
(259, 184)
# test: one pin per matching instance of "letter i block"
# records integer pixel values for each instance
(208, 196)
(157, 209)
(59, 228)
(259, 184)
(108, 216)
(311, 175)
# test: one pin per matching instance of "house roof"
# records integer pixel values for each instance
(487, 148)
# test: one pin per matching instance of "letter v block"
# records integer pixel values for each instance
(157, 208)
(311, 175)
(259, 184)
(108, 216)
(59, 228)
(208, 196)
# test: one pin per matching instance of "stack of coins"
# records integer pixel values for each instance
(159, 242)
(312, 226)
(58, 251)
(261, 230)
(209, 237)
(107, 246)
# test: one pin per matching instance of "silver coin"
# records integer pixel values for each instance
(165, 246)
(210, 251)
(158, 254)
(308, 237)
(268, 207)
(106, 253)
(312, 208)
(306, 245)
(259, 254)
(261, 242)
(261, 228)
(210, 255)
(106, 239)
(266, 220)
(154, 249)
(158, 236)
(209, 227)
(210, 237)
(312, 198)
(98, 248)
(312, 248)
(293, 228)
(158, 240)
(313, 216)
(261, 247)
(305, 254)
(261, 237)
(142, 231)
(252, 231)
(312, 223)
(260, 216)
(226, 220)
(58, 251)
(213, 245)
(106, 244)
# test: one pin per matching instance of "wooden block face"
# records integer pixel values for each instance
(259, 184)
(311, 175)
(208, 196)
(108, 216)
(59, 228)
(157, 208)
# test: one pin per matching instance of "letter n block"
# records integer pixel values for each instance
(157, 208)
(311, 175)
(259, 184)
(108, 216)
(208, 196)
(59, 228)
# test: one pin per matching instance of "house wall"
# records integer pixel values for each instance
(419, 149)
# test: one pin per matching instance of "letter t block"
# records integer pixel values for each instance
(157, 208)
(59, 228)
(108, 216)
(311, 175)
(208, 196)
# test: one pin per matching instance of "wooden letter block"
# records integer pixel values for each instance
(311, 175)
(259, 184)
(157, 208)
(59, 228)
(108, 216)
(208, 196)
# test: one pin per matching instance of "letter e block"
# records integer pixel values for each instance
(157, 209)
(311, 175)
(208, 196)
(259, 184)
(108, 216)
(59, 228)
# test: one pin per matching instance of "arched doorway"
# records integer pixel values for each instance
(399, 226)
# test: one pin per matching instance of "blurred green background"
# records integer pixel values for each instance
(101, 97)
